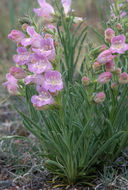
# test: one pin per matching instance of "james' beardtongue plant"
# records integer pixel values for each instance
(78, 115)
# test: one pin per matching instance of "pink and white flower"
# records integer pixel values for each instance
(118, 44)
(46, 10)
(23, 57)
(35, 79)
(40, 66)
(34, 39)
(104, 77)
(47, 49)
(43, 99)
(11, 84)
(66, 5)
(105, 56)
(53, 81)
(17, 72)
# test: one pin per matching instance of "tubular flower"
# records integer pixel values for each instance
(43, 99)
(66, 5)
(34, 39)
(46, 10)
(47, 49)
(53, 81)
(16, 35)
(17, 72)
(36, 79)
(118, 44)
(110, 66)
(11, 84)
(104, 77)
(100, 97)
(123, 78)
(105, 57)
(109, 34)
(40, 66)
(23, 57)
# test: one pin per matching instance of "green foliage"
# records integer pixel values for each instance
(77, 137)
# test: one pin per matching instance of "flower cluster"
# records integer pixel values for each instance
(35, 58)
(105, 65)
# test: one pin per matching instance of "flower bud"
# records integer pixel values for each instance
(114, 85)
(100, 97)
(123, 78)
(119, 27)
(77, 20)
(17, 72)
(104, 77)
(110, 66)
(16, 36)
(85, 81)
(24, 27)
(96, 66)
(109, 34)
(118, 71)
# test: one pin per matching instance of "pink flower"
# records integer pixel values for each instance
(85, 81)
(47, 49)
(35, 79)
(40, 66)
(16, 36)
(104, 77)
(34, 40)
(66, 5)
(43, 99)
(105, 56)
(11, 84)
(23, 57)
(53, 81)
(17, 72)
(45, 10)
(118, 44)
(109, 34)
(110, 66)
(123, 78)
(100, 97)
